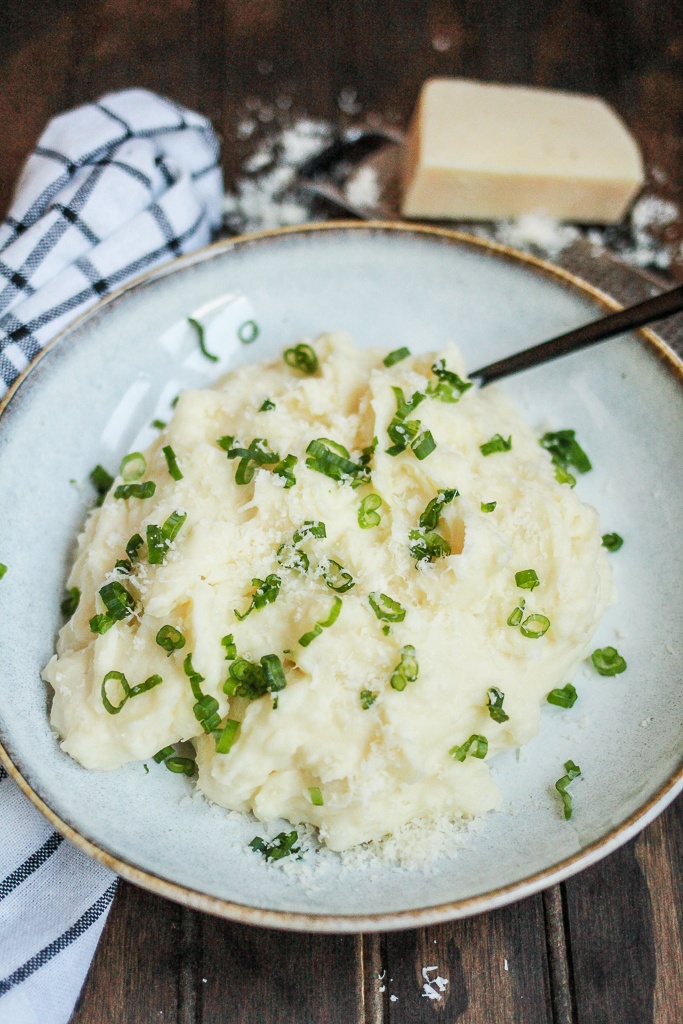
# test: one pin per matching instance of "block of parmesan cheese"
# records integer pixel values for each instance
(477, 151)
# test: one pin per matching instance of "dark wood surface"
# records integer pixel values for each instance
(604, 947)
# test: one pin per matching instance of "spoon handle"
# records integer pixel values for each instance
(598, 330)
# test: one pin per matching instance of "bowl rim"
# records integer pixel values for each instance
(379, 921)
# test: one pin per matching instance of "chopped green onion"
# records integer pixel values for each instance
(386, 608)
(70, 602)
(308, 638)
(311, 528)
(573, 771)
(526, 579)
(133, 546)
(227, 736)
(281, 846)
(274, 673)
(563, 698)
(250, 680)
(267, 405)
(316, 796)
(207, 714)
(158, 424)
(427, 547)
(194, 677)
(332, 459)
(423, 445)
(101, 479)
(148, 684)
(145, 490)
(367, 514)
(608, 662)
(117, 600)
(181, 765)
(256, 455)
(226, 442)
(386, 629)
(101, 623)
(133, 466)
(535, 626)
(368, 452)
(289, 557)
(368, 698)
(266, 592)
(201, 338)
(159, 539)
(407, 669)
(429, 520)
(612, 541)
(475, 746)
(494, 704)
(172, 462)
(496, 444)
(401, 430)
(450, 386)
(337, 578)
(566, 452)
(276, 701)
(488, 506)
(3, 569)
(119, 677)
(515, 616)
(228, 642)
(396, 356)
(248, 332)
(175, 400)
(170, 639)
(563, 477)
(124, 565)
(162, 754)
(301, 357)
(285, 469)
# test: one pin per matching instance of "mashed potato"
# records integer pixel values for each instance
(437, 659)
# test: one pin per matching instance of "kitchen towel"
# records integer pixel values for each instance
(112, 189)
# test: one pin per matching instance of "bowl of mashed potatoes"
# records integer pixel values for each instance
(346, 642)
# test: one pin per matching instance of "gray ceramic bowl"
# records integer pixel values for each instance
(91, 397)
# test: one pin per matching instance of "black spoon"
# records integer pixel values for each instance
(573, 341)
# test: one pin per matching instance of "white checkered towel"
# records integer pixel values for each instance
(112, 189)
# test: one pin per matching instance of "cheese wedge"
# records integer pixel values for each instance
(477, 151)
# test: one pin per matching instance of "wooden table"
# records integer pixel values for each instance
(602, 948)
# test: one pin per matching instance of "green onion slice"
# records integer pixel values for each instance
(101, 479)
(124, 565)
(396, 356)
(207, 714)
(311, 528)
(201, 338)
(117, 600)
(573, 771)
(159, 539)
(266, 592)
(126, 491)
(496, 444)
(308, 638)
(274, 673)
(101, 623)
(283, 845)
(566, 452)
(248, 332)
(118, 677)
(227, 736)
(289, 557)
(158, 424)
(162, 754)
(133, 546)
(427, 547)
(407, 669)
(267, 405)
(172, 462)
(70, 602)
(449, 386)
(488, 506)
(515, 616)
(401, 430)
(251, 680)
(181, 765)
(316, 796)
(285, 469)
(367, 514)
(148, 684)
(429, 520)
(563, 698)
(368, 698)
(423, 445)
(133, 467)
(526, 579)
(3, 569)
(612, 541)
(194, 677)
(475, 746)
(226, 442)
(228, 642)
(494, 704)
(332, 459)
(170, 639)
(337, 578)
(301, 357)
(535, 626)
(386, 608)
(608, 662)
